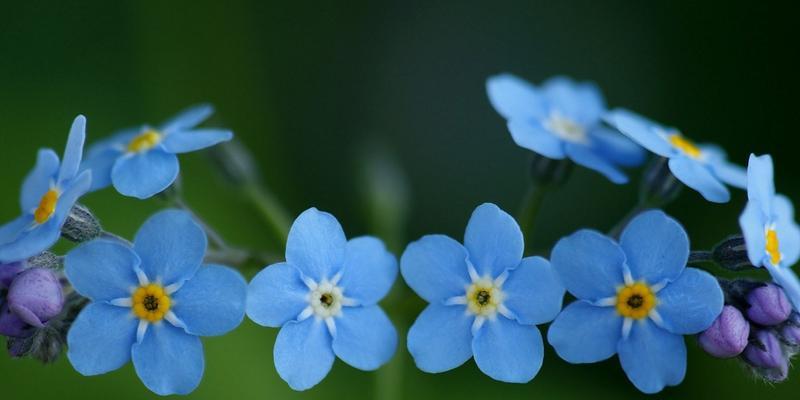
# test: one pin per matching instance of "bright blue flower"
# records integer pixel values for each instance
(142, 162)
(324, 298)
(703, 168)
(47, 196)
(770, 232)
(485, 299)
(636, 298)
(562, 119)
(150, 303)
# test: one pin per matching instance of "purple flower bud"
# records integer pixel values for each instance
(765, 351)
(35, 296)
(768, 305)
(12, 325)
(727, 336)
(790, 334)
(8, 272)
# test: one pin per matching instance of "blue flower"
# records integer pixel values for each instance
(636, 298)
(324, 298)
(562, 119)
(703, 168)
(48, 194)
(151, 302)
(485, 299)
(770, 232)
(142, 162)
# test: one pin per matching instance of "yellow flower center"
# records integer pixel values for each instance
(150, 302)
(635, 300)
(47, 206)
(773, 247)
(685, 145)
(483, 297)
(144, 141)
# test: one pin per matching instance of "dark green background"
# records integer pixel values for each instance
(306, 84)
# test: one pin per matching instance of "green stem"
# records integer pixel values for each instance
(616, 231)
(529, 212)
(270, 210)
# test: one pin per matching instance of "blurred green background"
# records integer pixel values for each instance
(311, 87)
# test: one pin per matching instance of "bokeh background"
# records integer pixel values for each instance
(317, 89)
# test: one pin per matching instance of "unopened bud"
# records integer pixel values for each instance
(731, 254)
(35, 296)
(764, 351)
(728, 335)
(81, 225)
(8, 272)
(235, 162)
(659, 187)
(769, 306)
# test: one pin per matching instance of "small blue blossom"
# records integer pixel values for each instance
(770, 232)
(703, 168)
(151, 302)
(485, 299)
(142, 162)
(561, 119)
(325, 300)
(636, 298)
(47, 196)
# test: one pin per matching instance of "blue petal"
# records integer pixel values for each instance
(652, 357)
(512, 97)
(584, 333)
(276, 295)
(691, 303)
(697, 176)
(74, 150)
(303, 354)
(534, 292)
(641, 131)
(74, 190)
(168, 360)
(188, 118)
(316, 244)
(787, 279)
(100, 339)
(435, 267)
(580, 101)
(102, 270)
(729, 173)
(531, 135)
(212, 302)
(13, 230)
(441, 338)
(493, 240)
(186, 141)
(589, 264)
(369, 270)
(365, 337)
(101, 166)
(760, 183)
(39, 180)
(30, 242)
(171, 246)
(507, 351)
(787, 229)
(656, 247)
(583, 155)
(616, 148)
(118, 141)
(145, 174)
(752, 222)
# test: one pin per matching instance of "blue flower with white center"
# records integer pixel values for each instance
(703, 168)
(151, 302)
(636, 298)
(142, 162)
(48, 194)
(325, 300)
(770, 232)
(561, 119)
(485, 299)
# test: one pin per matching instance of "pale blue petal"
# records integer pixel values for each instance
(168, 360)
(589, 264)
(616, 148)
(30, 242)
(212, 302)
(656, 247)
(369, 270)
(102, 270)
(531, 135)
(435, 267)
(584, 156)
(316, 245)
(145, 174)
(188, 118)
(186, 141)
(507, 351)
(74, 190)
(534, 292)
(641, 131)
(100, 339)
(652, 357)
(118, 141)
(365, 337)
(513, 97)
(276, 295)
(752, 222)
(74, 150)
(760, 183)
(11, 231)
(101, 165)
(729, 173)
(171, 245)
(787, 229)
(691, 303)
(584, 333)
(787, 279)
(494, 240)
(303, 354)
(697, 176)
(39, 180)
(441, 338)
(580, 101)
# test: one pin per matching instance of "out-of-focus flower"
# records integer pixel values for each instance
(727, 336)
(768, 305)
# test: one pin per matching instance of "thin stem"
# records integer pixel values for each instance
(213, 236)
(616, 231)
(270, 210)
(529, 212)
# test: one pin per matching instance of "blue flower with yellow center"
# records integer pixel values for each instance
(325, 300)
(561, 119)
(150, 303)
(770, 232)
(48, 194)
(485, 299)
(143, 162)
(702, 167)
(636, 299)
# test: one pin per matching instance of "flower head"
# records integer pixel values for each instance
(636, 299)
(324, 298)
(142, 162)
(485, 299)
(561, 119)
(727, 336)
(150, 302)
(48, 194)
(702, 167)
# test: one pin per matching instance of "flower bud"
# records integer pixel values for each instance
(549, 172)
(727, 336)
(768, 305)
(235, 162)
(765, 351)
(790, 334)
(12, 325)
(659, 187)
(731, 254)
(81, 225)
(46, 260)
(8, 272)
(35, 296)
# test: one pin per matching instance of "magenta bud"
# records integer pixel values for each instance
(35, 296)
(768, 305)
(8, 272)
(12, 325)
(727, 336)
(765, 351)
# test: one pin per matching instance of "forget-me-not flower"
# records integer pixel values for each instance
(47, 196)
(151, 302)
(485, 299)
(325, 300)
(703, 168)
(561, 119)
(142, 162)
(636, 298)
(770, 232)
